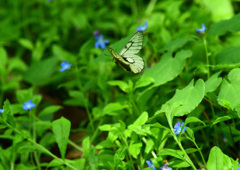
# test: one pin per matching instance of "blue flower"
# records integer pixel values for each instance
(150, 164)
(165, 167)
(142, 28)
(1, 110)
(178, 127)
(201, 30)
(28, 105)
(100, 42)
(65, 66)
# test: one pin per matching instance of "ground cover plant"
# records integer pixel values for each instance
(65, 103)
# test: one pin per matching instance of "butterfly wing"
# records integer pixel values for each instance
(129, 51)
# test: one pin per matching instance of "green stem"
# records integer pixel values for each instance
(35, 154)
(84, 100)
(42, 148)
(75, 145)
(126, 143)
(199, 150)
(187, 159)
(207, 56)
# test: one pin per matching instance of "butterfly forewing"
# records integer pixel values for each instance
(134, 45)
(127, 58)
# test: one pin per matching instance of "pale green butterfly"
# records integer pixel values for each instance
(128, 57)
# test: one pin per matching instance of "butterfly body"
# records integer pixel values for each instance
(127, 58)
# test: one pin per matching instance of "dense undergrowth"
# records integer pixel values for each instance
(65, 104)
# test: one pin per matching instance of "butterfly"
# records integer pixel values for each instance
(128, 57)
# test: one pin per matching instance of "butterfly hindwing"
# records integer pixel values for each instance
(127, 58)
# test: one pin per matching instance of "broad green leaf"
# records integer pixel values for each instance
(105, 144)
(111, 108)
(142, 119)
(223, 118)
(134, 149)
(55, 163)
(224, 26)
(193, 119)
(61, 129)
(229, 95)
(86, 146)
(171, 152)
(219, 11)
(168, 68)
(42, 126)
(218, 160)
(121, 84)
(176, 44)
(119, 155)
(3, 59)
(229, 56)
(16, 64)
(26, 43)
(7, 114)
(92, 157)
(212, 83)
(41, 72)
(49, 110)
(149, 146)
(185, 100)
(143, 82)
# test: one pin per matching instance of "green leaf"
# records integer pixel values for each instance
(171, 152)
(229, 95)
(3, 59)
(119, 155)
(168, 68)
(212, 83)
(111, 108)
(7, 114)
(223, 118)
(142, 119)
(121, 84)
(26, 43)
(134, 149)
(49, 110)
(61, 129)
(41, 72)
(193, 119)
(218, 160)
(229, 56)
(186, 100)
(143, 82)
(86, 146)
(222, 27)
(216, 9)
(176, 44)
(92, 157)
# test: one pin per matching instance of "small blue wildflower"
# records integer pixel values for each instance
(28, 105)
(100, 42)
(201, 30)
(1, 110)
(178, 127)
(65, 66)
(96, 32)
(150, 164)
(165, 167)
(142, 28)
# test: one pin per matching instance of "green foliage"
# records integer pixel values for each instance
(94, 115)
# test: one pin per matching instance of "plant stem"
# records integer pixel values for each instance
(207, 56)
(42, 148)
